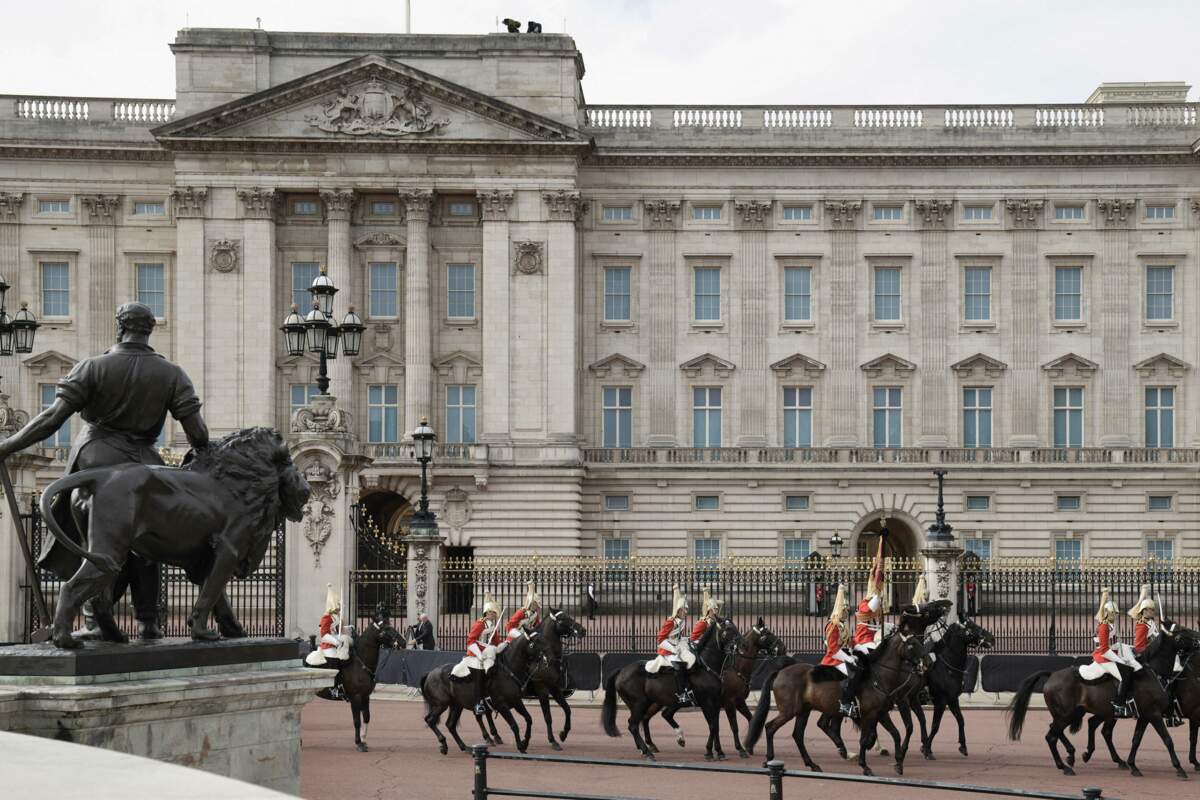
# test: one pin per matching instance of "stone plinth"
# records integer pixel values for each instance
(227, 714)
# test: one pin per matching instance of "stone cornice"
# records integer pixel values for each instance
(612, 157)
(1116, 212)
(842, 214)
(10, 206)
(257, 203)
(564, 206)
(82, 152)
(660, 213)
(933, 213)
(101, 208)
(189, 201)
(753, 214)
(493, 205)
(338, 203)
(1025, 213)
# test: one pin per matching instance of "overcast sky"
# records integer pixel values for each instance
(667, 51)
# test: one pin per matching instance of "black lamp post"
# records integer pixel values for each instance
(424, 523)
(318, 333)
(940, 531)
(16, 333)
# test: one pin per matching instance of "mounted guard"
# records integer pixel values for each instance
(528, 616)
(333, 646)
(672, 651)
(1111, 657)
(867, 631)
(1146, 628)
(837, 636)
(709, 609)
(482, 643)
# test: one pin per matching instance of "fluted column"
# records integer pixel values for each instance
(1191, 339)
(660, 220)
(10, 270)
(418, 331)
(100, 286)
(188, 285)
(1116, 387)
(753, 386)
(338, 206)
(845, 398)
(257, 379)
(494, 307)
(563, 209)
(1027, 321)
(932, 323)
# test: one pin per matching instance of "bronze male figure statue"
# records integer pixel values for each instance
(123, 397)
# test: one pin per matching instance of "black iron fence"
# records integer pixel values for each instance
(370, 587)
(258, 600)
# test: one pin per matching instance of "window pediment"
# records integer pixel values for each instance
(979, 364)
(1070, 365)
(617, 365)
(709, 363)
(1162, 364)
(459, 364)
(798, 365)
(51, 363)
(889, 365)
(381, 367)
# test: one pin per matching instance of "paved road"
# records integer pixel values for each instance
(404, 762)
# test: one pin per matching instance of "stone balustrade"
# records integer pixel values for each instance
(130, 111)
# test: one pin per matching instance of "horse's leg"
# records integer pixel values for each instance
(901, 748)
(559, 698)
(712, 715)
(366, 713)
(431, 719)
(487, 737)
(1138, 732)
(831, 726)
(452, 726)
(1093, 723)
(523, 742)
(356, 710)
(773, 726)
(919, 713)
(1161, 728)
(669, 715)
(1053, 734)
(491, 723)
(731, 714)
(905, 709)
(636, 714)
(866, 733)
(939, 708)
(798, 736)
(1193, 734)
(962, 726)
(1106, 732)
(544, 702)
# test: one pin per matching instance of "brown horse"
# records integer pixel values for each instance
(799, 689)
(1069, 698)
(358, 674)
(760, 643)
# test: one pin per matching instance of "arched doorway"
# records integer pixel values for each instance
(901, 548)
(381, 522)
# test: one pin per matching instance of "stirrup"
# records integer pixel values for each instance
(1122, 710)
(686, 697)
(480, 708)
(850, 710)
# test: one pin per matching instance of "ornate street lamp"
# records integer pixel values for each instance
(423, 520)
(318, 333)
(16, 334)
(835, 545)
(294, 336)
(940, 531)
(352, 328)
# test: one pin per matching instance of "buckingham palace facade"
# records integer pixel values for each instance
(641, 330)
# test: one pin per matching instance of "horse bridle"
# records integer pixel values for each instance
(529, 669)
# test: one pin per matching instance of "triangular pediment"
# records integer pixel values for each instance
(889, 363)
(616, 365)
(50, 363)
(979, 364)
(798, 365)
(1162, 364)
(381, 367)
(459, 364)
(371, 100)
(1070, 364)
(719, 366)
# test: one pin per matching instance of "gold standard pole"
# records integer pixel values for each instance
(39, 600)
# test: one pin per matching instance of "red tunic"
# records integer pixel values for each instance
(663, 633)
(863, 632)
(519, 617)
(698, 630)
(326, 628)
(477, 632)
(833, 643)
(1141, 637)
(1102, 645)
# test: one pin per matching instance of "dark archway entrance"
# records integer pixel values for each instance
(901, 548)
(380, 521)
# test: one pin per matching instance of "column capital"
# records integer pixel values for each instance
(10, 206)
(1025, 213)
(494, 204)
(753, 214)
(189, 201)
(933, 214)
(564, 206)
(842, 214)
(417, 203)
(1116, 212)
(101, 208)
(660, 213)
(257, 202)
(338, 204)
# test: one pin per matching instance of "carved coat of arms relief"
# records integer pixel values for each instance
(377, 112)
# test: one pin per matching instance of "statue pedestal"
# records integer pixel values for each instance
(941, 573)
(231, 707)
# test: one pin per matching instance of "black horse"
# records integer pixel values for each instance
(760, 644)
(548, 679)
(357, 675)
(945, 680)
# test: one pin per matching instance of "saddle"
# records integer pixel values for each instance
(823, 673)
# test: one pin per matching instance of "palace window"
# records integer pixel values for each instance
(1068, 294)
(1159, 502)
(886, 416)
(383, 208)
(460, 414)
(797, 416)
(796, 502)
(383, 413)
(151, 288)
(1160, 549)
(887, 294)
(1160, 416)
(616, 549)
(1068, 549)
(461, 208)
(54, 206)
(706, 213)
(707, 502)
(616, 502)
(797, 294)
(977, 417)
(304, 208)
(384, 289)
(888, 213)
(977, 213)
(797, 213)
(1068, 502)
(1068, 212)
(300, 395)
(978, 502)
(706, 417)
(797, 549)
(460, 289)
(1160, 211)
(616, 294)
(707, 549)
(980, 548)
(617, 422)
(977, 300)
(149, 209)
(617, 213)
(303, 274)
(1068, 416)
(708, 294)
(56, 289)
(62, 436)
(1160, 293)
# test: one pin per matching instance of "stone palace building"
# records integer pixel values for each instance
(637, 330)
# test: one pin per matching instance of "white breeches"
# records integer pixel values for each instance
(340, 650)
(1094, 670)
(865, 649)
(685, 656)
(477, 657)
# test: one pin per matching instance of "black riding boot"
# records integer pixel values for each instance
(1122, 705)
(849, 703)
(334, 692)
(1173, 718)
(480, 677)
(682, 689)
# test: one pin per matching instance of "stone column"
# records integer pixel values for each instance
(260, 318)
(10, 269)
(100, 287)
(1191, 339)
(562, 313)
(1027, 322)
(188, 285)
(1113, 293)
(494, 308)
(941, 574)
(424, 567)
(660, 219)
(338, 206)
(845, 319)
(933, 323)
(755, 395)
(418, 330)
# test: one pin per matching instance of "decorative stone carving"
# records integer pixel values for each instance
(1164, 364)
(257, 203)
(338, 203)
(493, 205)
(1076, 365)
(797, 365)
(564, 206)
(617, 365)
(382, 338)
(899, 367)
(224, 255)
(321, 415)
(720, 367)
(661, 213)
(320, 508)
(1025, 213)
(11, 419)
(101, 208)
(1116, 213)
(933, 213)
(528, 258)
(842, 214)
(459, 367)
(979, 363)
(755, 214)
(379, 239)
(10, 206)
(377, 112)
(189, 201)
(416, 203)
(419, 553)
(456, 509)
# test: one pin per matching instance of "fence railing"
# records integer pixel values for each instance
(600, 456)
(83, 110)
(370, 587)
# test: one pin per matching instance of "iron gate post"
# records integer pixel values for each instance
(479, 753)
(776, 770)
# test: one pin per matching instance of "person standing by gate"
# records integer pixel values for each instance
(589, 600)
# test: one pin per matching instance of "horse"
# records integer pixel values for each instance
(645, 694)
(1187, 684)
(946, 677)
(548, 679)
(358, 674)
(506, 683)
(897, 665)
(756, 645)
(1069, 698)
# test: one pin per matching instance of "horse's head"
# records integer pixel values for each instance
(538, 647)
(912, 652)
(976, 635)
(729, 638)
(1184, 640)
(564, 624)
(766, 640)
(381, 620)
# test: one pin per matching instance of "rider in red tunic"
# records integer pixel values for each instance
(709, 609)
(482, 643)
(1145, 621)
(869, 618)
(333, 646)
(673, 651)
(1112, 658)
(837, 635)
(528, 616)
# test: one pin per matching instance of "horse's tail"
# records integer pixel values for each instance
(1077, 720)
(1020, 704)
(760, 713)
(69, 483)
(608, 714)
(424, 696)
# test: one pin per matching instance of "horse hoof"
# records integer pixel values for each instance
(1068, 771)
(444, 749)
(362, 747)
(555, 746)
(963, 749)
(743, 754)
(562, 735)
(928, 755)
(883, 752)
(1086, 758)
(842, 752)
(708, 757)
(1135, 772)
(1179, 773)
(814, 768)
(721, 756)
(679, 740)
(1122, 765)
(899, 769)
(653, 748)
(649, 756)
(867, 772)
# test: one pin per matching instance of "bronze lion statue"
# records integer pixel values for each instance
(214, 517)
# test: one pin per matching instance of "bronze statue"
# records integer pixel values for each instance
(214, 517)
(124, 397)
